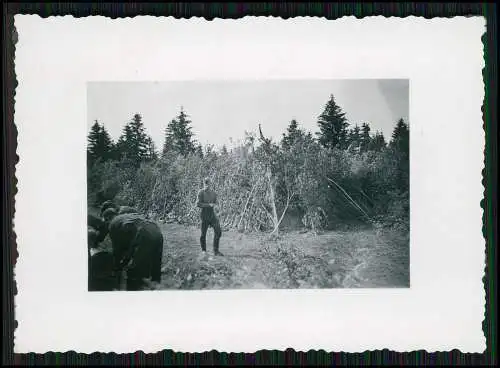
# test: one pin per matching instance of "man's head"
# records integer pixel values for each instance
(106, 205)
(109, 214)
(206, 182)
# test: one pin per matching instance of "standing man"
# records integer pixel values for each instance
(207, 198)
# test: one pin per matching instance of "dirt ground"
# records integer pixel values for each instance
(360, 259)
(335, 259)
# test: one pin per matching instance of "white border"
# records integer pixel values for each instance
(443, 309)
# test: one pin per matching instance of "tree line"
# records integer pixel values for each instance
(341, 175)
(136, 146)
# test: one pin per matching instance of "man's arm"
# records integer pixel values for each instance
(132, 247)
(128, 255)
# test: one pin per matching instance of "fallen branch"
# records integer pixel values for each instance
(364, 194)
(350, 199)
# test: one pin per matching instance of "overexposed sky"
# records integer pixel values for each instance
(223, 110)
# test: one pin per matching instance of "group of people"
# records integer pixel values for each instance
(137, 244)
(136, 249)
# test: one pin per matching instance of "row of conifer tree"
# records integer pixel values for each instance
(136, 145)
(340, 174)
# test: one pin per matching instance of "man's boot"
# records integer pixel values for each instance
(203, 243)
(216, 246)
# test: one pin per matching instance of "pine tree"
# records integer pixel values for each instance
(377, 143)
(169, 144)
(100, 144)
(292, 135)
(134, 143)
(93, 142)
(365, 138)
(185, 134)
(141, 138)
(333, 126)
(400, 146)
(178, 135)
(106, 144)
(401, 137)
(152, 155)
(354, 139)
(124, 141)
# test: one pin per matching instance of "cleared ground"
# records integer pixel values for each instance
(335, 259)
(367, 258)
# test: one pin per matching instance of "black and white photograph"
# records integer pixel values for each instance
(248, 184)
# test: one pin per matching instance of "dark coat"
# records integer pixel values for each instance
(101, 272)
(127, 209)
(137, 244)
(99, 225)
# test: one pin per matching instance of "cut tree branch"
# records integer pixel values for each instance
(246, 204)
(289, 198)
(350, 199)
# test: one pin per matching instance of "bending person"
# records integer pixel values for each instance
(137, 247)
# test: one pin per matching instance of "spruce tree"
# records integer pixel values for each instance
(354, 139)
(185, 134)
(401, 137)
(133, 144)
(152, 155)
(141, 139)
(365, 138)
(169, 144)
(122, 145)
(100, 144)
(377, 143)
(400, 146)
(333, 126)
(293, 133)
(93, 142)
(107, 145)
(178, 135)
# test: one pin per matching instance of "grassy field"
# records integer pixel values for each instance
(359, 259)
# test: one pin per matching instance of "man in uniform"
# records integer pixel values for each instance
(207, 199)
(137, 246)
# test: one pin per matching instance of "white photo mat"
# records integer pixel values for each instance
(443, 309)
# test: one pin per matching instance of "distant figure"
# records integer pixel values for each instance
(137, 247)
(207, 198)
(100, 266)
